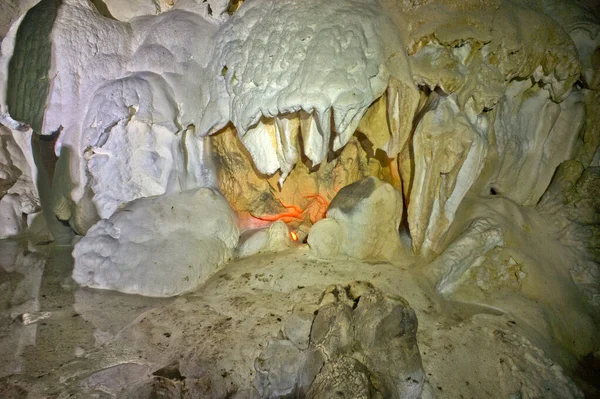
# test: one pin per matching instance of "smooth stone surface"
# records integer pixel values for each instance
(274, 238)
(158, 246)
(362, 221)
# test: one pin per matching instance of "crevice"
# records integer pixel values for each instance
(234, 5)
(102, 9)
(170, 372)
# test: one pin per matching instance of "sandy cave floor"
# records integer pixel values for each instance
(94, 343)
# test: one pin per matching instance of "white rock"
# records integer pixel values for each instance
(533, 136)
(325, 237)
(126, 10)
(30, 318)
(19, 199)
(362, 221)
(325, 59)
(450, 154)
(465, 252)
(134, 98)
(261, 142)
(158, 246)
(122, 93)
(274, 238)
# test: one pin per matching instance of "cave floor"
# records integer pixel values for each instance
(59, 340)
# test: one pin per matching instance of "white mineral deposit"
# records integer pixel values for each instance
(300, 199)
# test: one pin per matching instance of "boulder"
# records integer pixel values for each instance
(274, 238)
(363, 344)
(158, 246)
(362, 221)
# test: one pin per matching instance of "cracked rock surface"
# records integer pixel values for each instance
(362, 344)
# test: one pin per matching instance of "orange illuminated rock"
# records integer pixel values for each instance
(305, 196)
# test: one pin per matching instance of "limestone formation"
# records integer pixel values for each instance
(304, 197)
(125, 11)
(445, 150)
(106, 96)
(452, 152)
(362, 221)
(19, 199)
(466, 251)
(440, 106)
(158, 246)
(573, 199)
(530, 149)
(362, 345)
(276, 237)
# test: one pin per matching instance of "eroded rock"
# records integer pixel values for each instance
(362, 221)
(573, 201)
(158, 246)
(362, 345)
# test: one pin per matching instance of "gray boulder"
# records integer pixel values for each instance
(362, 344)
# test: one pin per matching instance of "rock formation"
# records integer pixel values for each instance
(358, 343)
(19, 199)
(362, 221)
(407, 88)
(447, 147)
(193, 232)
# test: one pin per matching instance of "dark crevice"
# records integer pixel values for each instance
(102, 9)
(579, 84)
(63, 222)
(170, 372)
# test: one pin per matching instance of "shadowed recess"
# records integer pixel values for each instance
(28, 81)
